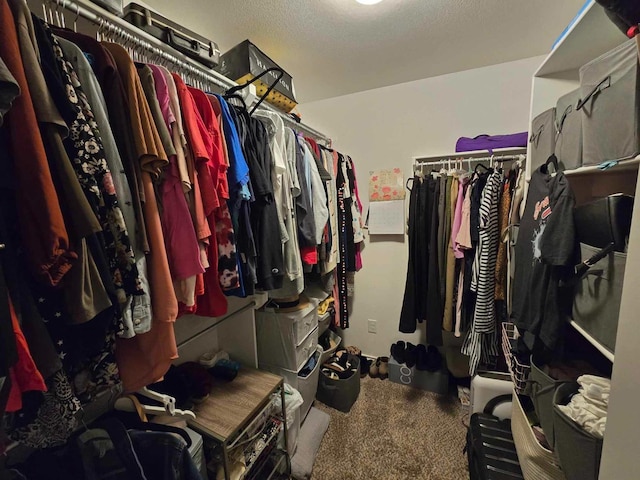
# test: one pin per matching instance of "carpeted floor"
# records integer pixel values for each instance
(393, 432)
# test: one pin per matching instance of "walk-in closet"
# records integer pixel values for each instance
(319, 240)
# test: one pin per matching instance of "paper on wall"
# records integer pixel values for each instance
(386, 218)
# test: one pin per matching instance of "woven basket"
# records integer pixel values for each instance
(537, 462)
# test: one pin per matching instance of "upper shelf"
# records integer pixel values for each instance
(590, 35)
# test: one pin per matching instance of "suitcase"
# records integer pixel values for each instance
(185, 41)
(491, 452)
(114, 6)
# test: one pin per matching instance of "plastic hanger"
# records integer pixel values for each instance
(127, 404)
(255, 79)
(552, 160)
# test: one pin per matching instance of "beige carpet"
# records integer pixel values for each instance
(393, 432)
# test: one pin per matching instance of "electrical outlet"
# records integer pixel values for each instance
(373, 326)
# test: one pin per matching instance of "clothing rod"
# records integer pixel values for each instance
(111, 23)
(215, 324)
(495, 158)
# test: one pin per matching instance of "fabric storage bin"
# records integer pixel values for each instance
(307, 386)
(340, 394)
(537, 462)
(336, 339)
(568, 147)
(543, 389)
(596, 303)
(609, 105)
(286, 338)
(578, 450)
(542, 138)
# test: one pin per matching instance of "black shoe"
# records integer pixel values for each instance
(325, 342)
(365, 364)
(434, 359)
(398, 352)
(411, 355)
(421, 361)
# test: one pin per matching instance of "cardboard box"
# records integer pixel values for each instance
(437, 382)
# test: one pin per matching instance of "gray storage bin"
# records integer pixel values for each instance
(337, 340)
(307, 386)
(114, 6)
(340, 394)
(578, 450)
(568, 122)
(596, 304)
(542, 138)
(543, 390)
(609, 105)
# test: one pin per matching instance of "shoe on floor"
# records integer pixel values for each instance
(383, 368)
(374, 368)
(398, 352)
(421, 360)
(434, 359)
(411, 355)
(365, 365)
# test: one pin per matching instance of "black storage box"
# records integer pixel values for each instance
(491, 451)
(568, 146)
(542, 138)
(245, 61)
(185, 41)
(610, 106)
(340, 394)
(578, 450)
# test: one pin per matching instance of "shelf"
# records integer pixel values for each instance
(230, 406)
(593, 341)
(623, 165)
(590, 35)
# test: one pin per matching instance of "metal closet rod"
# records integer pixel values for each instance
(495, 158)
(111, 23)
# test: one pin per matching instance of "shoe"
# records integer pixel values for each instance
(365, 365)
(411, 355)
(421, 360)
(339, 363)
(383, 368)
(354, 351)
(434, 359)
(374, 368)
(325, 342)
(398, 352)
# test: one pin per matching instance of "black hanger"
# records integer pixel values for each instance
(237, 88)
(552, 160)
(475, 170)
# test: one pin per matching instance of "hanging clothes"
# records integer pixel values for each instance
(481, 343)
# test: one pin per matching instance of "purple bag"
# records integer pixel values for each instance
(490, 142)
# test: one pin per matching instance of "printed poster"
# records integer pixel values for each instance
(386, 185)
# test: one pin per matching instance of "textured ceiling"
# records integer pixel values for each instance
(336, 47)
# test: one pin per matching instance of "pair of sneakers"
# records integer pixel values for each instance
(422, 357)
(379, 368)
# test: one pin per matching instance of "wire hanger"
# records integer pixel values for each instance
(237, 88)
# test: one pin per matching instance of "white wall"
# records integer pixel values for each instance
(385, 128)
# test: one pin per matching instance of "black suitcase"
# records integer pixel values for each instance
(490, 449)
(190, 43)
